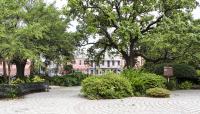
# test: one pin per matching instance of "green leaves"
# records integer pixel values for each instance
(30, 29)
(157, 29)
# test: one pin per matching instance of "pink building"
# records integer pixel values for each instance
(109, 63)
(80, 64)
(14, 70)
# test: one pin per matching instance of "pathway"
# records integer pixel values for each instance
(66, 100)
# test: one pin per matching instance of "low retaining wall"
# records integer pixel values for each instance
(21, 89)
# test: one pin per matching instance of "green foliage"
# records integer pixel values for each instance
(68, 68)
(142, 81)
(17, 81)
(185, 85)
(73, 79)
(180, 70)
(148, 66)
(2, 80)
(168, 34)
(35, 28)
(158, 92)
(13, 92)
(31, 79)
(146, 81)
(131, 73)
(172, 84)
(37, 79)
(106, 87)
(63, 81)
(198, 73)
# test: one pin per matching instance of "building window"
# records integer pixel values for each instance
(102, 62)
(118, 62)
(79, 62)
(113, 63)
(108, 63)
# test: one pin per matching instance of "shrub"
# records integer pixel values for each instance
(172, 84)
(142, 81)
(131, 73)
(185, 85)
(2, 80)
(146, 81)
(73, 79)
(158, 92)
(198, 73)
(9, 91)
(180, 70)
(37, 79)
(68, 68)
(148, 66)
(106, 87)
(17, 81)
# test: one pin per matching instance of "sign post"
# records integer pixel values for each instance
(168, 72)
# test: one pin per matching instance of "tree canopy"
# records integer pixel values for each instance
(30, 29)
(157, 30)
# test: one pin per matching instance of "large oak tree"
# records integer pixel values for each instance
(154, 29)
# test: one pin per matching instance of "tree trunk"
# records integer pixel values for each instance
(20, 68)
(130, 61)
(4, 68)
(32, 68)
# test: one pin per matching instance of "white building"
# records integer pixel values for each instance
(108, 64)
(114, 64)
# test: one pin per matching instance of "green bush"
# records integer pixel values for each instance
(157, 92)
(31, 79)
(106, 87)
(37, 79)
(185, 85)
(149, 66)
(131, 73)
(146, 81)
(172, 84)
(68, 68)
(17, 81)
(180, 70)
(141, 81)
(198, 73)
(73, 79)
(13, 93)
(2, 80)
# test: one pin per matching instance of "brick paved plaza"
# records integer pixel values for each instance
(66, 100)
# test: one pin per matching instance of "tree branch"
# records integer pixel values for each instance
(165, 57)
(151, 24)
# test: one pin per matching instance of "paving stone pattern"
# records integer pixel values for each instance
(67, 100)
